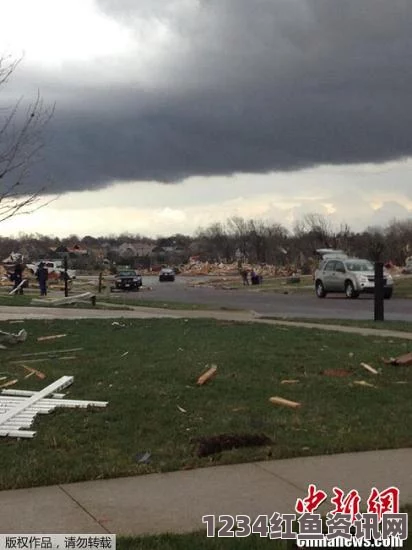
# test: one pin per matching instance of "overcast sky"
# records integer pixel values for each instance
(172, 114)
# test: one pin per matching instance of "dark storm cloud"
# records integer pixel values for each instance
(242, 86)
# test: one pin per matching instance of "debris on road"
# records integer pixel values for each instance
(369, 368)
(51, 337)
(401, 360)
(206, 376)
(11, 339)
(20, 409)
(285, 402)
(225, 442)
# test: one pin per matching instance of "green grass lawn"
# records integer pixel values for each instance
(146, 387)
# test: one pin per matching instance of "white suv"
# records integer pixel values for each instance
(351, 276)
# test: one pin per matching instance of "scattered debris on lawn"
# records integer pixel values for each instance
(20, 285)
(51, 337)
(50, 352)
(363, 383)
(38, 373)
(143, 458)
(401, 361)
(207, 375)
(285, 402)
(117, 324)
(369, 368)
(181, 409)
(338, 373)
(124, 354)
(9, 383)
(11, 339)
(289, 381)
(66, 300)
(21, 408)
(225, 442)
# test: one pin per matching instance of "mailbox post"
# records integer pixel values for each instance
(379, 292)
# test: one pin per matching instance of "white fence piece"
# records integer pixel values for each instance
(18, 408)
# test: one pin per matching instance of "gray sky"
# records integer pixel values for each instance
(196, 109)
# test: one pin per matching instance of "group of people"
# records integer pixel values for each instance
(42, 276)
(255, 279)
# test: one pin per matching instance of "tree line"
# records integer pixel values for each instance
(238, 239)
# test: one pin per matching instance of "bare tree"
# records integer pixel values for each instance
(21, 143)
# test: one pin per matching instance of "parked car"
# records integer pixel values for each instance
(166, 274)
(128, 280)
(352, 276)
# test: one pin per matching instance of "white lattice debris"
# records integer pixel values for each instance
(18, 408)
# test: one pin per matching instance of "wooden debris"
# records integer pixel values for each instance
(401, 361)
(9, 383)
(369, 368)
(51, 337)
(20, 285)
(38, 373)
(363, 383)
(181, 409)
(67, 300)
(338, 373)
(29, 375)
(285, 402)
(206, 376)
(51, 352)
(290, 381)
(124, 354)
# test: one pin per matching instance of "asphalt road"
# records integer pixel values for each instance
(284, 305)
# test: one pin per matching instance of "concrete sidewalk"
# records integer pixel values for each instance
(10, 313)
(175, 502)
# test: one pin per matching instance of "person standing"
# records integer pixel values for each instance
(42, 275)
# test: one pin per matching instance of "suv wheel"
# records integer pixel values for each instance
(350, 290)
(320, 289)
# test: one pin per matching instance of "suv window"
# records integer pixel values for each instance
(339, 266)
(330, 266)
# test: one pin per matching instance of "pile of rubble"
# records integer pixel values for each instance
(232, 269)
